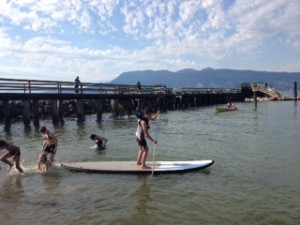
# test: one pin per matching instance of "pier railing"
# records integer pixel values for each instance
(59, 87)
(33, 99)
(64, 87)
(271, 92)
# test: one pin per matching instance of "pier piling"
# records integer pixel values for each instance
(26, 113)
(98, 105)
(6, 114)
(295, 91)
(80, 110)
(35, 112)
(42, 98)
(55, 113)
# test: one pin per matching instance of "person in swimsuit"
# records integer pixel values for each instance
(141, 134)
(13, 151)
(231, 105)
(43, 163)
(100, 141)
(50, 143)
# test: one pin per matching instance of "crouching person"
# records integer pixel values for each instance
(43, 163)
(13, 151)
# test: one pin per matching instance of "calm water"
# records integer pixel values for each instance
(255, 178)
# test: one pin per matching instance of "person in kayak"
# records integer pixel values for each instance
(231, 105)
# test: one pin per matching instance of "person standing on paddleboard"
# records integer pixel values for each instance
(142, 133)
(50, 143)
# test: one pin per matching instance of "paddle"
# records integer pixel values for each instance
(154, 148)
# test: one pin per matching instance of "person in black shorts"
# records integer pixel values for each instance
(50, 143)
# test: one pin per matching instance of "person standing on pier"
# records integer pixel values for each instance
(13, 151)
(77, 84)
(139, 86)
(50, 143)
(141, 134)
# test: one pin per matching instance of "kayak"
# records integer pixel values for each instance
(225, 109)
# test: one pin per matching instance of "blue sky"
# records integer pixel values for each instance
(99, 39)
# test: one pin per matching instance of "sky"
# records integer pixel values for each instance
(98, 40)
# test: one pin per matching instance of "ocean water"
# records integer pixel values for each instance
(255, 178)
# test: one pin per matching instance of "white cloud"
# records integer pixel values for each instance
(261, 20)
(188, 9)
(5, 40)
(108, 37)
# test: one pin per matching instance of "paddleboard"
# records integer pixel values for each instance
(132, 167)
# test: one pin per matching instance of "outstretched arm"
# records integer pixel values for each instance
(105, 140)
(156, 116)
(43, 146)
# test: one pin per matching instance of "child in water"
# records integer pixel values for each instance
(13, 151)
(43, 163)
(100, 141)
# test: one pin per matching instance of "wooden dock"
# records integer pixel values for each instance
(33, 99)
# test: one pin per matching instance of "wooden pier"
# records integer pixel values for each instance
(32, 100)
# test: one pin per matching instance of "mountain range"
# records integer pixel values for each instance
(209, 78)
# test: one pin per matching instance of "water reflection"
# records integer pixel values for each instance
(295, 109)
(7, 134)
(143, 198)
(12, 187)
(59, 123)
(100, 126)
(143, 195)
(51, 180)
(81, 131)
(27, 128)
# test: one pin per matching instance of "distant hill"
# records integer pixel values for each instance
(216, 78)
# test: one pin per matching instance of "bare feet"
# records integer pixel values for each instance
(138, 163)
(9, 168)
(20, 169)
(146, 167)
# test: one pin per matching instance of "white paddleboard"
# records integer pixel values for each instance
(132, 167)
